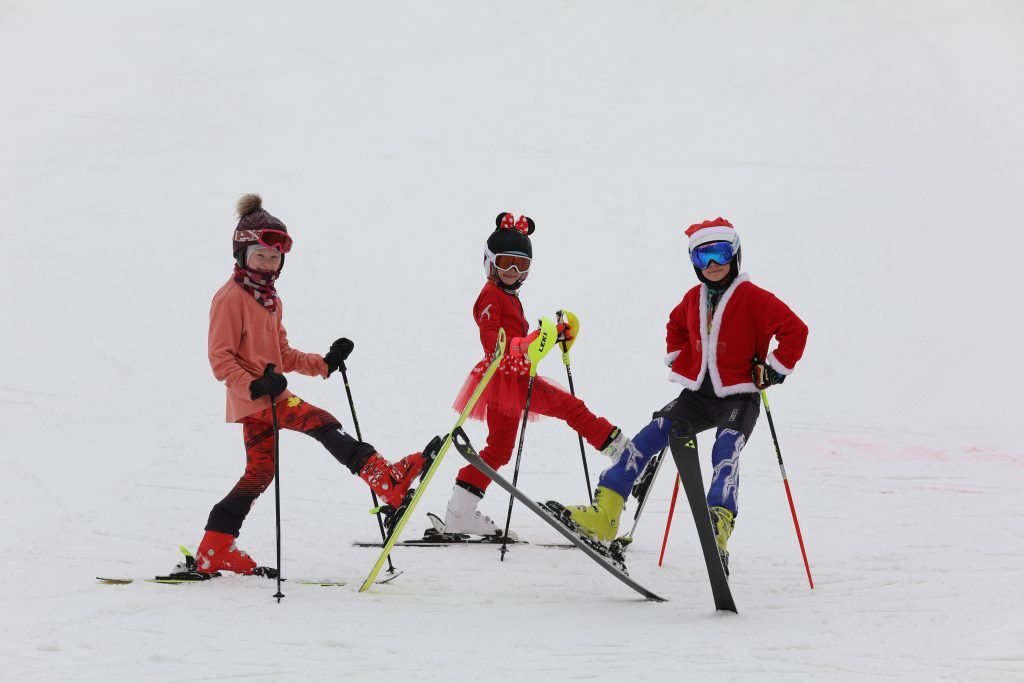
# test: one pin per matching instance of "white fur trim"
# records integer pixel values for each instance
(718, 233)
(702, 316)
(709, 346)
(745, 388)
(710, 355)
(778, 366)
(685, 381)
(671, 358)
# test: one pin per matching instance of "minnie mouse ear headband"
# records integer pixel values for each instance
(511, 236)
(506, 221)
(509, 246)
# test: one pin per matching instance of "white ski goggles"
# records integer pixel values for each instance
(507, 262)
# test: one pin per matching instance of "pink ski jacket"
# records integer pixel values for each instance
(244, 337)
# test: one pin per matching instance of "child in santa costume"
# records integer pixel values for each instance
(246, 334)
(714, 336)
(507, 259)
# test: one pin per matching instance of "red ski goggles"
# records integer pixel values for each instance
(717, 252)
(505, 262)
(269, 238)
(275, 239)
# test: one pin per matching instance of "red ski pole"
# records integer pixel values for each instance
(789, 494)
(668, 522)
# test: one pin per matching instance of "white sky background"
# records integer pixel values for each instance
(859, 149)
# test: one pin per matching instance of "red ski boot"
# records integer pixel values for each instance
(217, 552)
(390, 481)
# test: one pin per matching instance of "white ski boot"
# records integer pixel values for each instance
(462, 517)
(618, 443)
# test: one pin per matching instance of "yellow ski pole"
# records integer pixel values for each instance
(539, 348)
(574, 325)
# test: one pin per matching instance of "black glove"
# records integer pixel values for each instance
(335, 358)
(765, 375)
(270, 384)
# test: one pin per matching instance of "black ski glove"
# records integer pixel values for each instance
(270, 384)
(765, 375)
(335, 358)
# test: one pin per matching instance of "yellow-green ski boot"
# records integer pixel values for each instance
(600, 520)
(722, 521)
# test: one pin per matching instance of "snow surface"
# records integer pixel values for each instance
(869, 154)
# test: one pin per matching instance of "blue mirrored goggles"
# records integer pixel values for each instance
(719, 252)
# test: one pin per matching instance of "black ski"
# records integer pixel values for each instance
(466, 450)
(684, 452)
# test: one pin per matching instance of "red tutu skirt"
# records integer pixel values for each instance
(505, 393)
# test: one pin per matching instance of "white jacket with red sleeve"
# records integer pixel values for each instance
(743, 324)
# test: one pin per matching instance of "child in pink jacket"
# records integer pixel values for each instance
(246, 335)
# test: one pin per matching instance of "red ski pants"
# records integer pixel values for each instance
(546, 400)
(258, 431)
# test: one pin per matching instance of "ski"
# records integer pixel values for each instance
(447, 543)
(438, 531)
(123, 581)
(684, 452)
(436, 534)
(613, 566)
(397, 519)
(178, 578)
(187, 572)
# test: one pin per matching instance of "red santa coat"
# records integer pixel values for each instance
(744, 322)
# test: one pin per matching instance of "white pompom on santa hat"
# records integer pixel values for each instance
(715, 230)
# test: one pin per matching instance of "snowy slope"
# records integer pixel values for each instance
(869, 154)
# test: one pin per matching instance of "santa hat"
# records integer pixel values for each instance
(717, 230)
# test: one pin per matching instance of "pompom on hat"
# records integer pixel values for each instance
(252, 218)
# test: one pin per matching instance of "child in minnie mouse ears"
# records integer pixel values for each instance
(246, 334)
(714, 336)
(508, 256)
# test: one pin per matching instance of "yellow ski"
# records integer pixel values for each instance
(389, 544)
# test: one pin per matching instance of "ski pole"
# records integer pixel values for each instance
(575, 324)
(789, 494)
(645, 492)
(668, 522)
(515, 474)
(359, 435)
(277, 480)
(538, 349)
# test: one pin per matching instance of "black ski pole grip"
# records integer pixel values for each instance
(269, 372)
